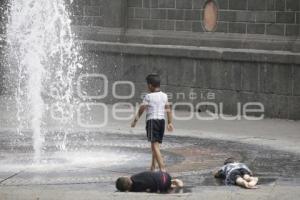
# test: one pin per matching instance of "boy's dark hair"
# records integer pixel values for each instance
(229, 160)
(154, 80)
(123, 184)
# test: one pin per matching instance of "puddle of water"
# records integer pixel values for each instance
(181, 190)
(66, 160)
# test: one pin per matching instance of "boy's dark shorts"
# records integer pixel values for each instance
(235, 174)
(155, 129)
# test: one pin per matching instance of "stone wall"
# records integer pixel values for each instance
(268, 17)
(3, 9)
(255, 24)
(86, 12)
(3, 18)
(99, 13)
(265, 17)
(251, 56)
(190, 71)
(1, 69)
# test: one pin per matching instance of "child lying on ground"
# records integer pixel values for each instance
(235, 173)
(148, 181)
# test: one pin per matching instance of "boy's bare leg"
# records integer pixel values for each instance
(153, 162)
(247, 177)
(243, 183)
(252, 181)
(157, 154)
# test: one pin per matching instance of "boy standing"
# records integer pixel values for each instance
(155, 103)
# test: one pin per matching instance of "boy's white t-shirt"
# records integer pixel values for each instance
(156, 102)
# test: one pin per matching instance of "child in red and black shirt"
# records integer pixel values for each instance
(148, 181)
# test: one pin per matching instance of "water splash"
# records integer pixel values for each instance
(43, 57)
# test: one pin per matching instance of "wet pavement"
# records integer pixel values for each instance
(95, 159)
(86, 163)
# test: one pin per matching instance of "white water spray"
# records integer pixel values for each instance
(44, 58)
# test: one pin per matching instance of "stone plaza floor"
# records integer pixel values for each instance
(84, 163)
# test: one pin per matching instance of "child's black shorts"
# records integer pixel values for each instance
(155, 130)
(235, 174)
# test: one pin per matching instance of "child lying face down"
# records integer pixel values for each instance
(149, 181)
(235, 173)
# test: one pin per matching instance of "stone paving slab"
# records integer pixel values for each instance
(232, 193)
(274, 134)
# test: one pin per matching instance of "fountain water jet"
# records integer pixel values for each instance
(43, 57)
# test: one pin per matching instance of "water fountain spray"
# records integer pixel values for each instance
(43, 57)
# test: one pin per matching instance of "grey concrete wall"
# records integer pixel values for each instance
(232, 81)
(258, 24)
(127, 39)
(104, 13)
(3, 18)
(264, 17)
(269, 17)
(1, 70)
(3, 15)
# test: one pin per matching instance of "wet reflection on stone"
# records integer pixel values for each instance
(181, 190)
(99, 158)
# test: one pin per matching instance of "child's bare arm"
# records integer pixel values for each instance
(170, 126)
(138, 115)
(176, 183)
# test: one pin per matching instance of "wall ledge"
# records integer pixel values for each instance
(210, 53)
(235, 41)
